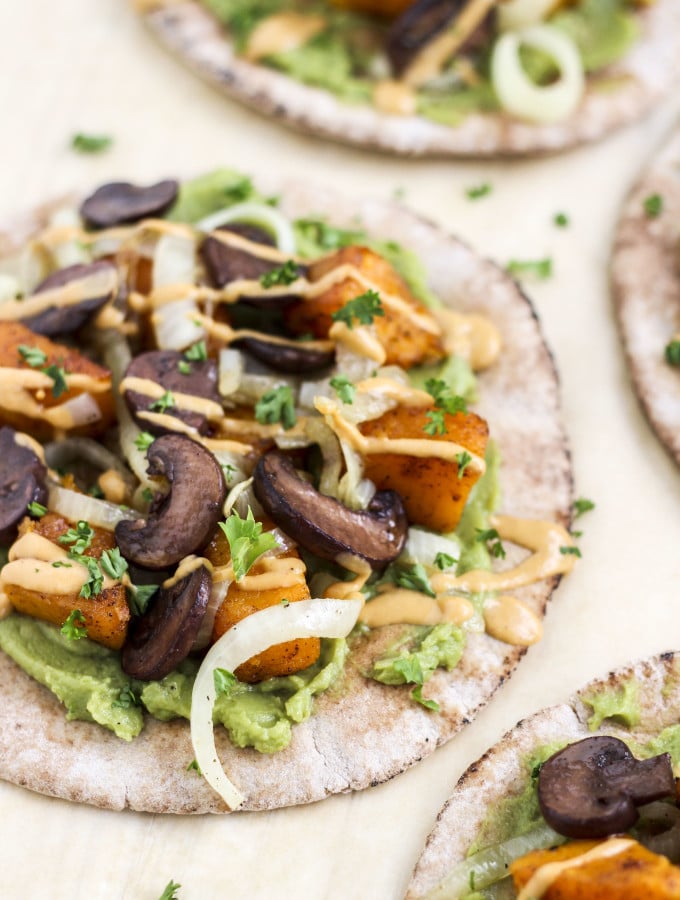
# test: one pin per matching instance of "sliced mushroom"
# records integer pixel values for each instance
(186, 517)
(161, 638)
(424, 22)
(22, 481)
(98, 284)
(120, 202)
(292, 357)
(163, 367)
(322, 524)
(591, 788)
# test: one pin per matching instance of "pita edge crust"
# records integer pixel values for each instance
(645, 278)
(501, 772)
(362, 733)
(192, 33)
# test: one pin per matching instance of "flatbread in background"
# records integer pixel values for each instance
(364, 732)
(646, 288)
(190, 32)
(501, 772)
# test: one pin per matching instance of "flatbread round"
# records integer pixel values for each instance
(652, 66)
(646, 287)
(501, 772)
(362, 733)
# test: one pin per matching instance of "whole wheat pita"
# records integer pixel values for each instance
(362, 732)
(630, 89)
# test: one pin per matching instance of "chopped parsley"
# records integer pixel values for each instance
(184, 367)
(197, 352)
(653, 206)
(144, 440)
(570, 551)
(444, 561)
(478, 191)
(74, 626)
(561, 220)
(194, 767)
(167, 401)
(541, 269)
(492, 539)
(276, 406)
(672, 353)
(229, 471)
(362, 309)
(285, 601)
(344, 388)
(113, 564)
(463, 460)
(246, 541)
(415, 579)
(36, 509)
(32, 356)
(411, 670)
(80, 536)
(224, 680)
(138, 596)
(170, 891)
(127, 698)
(417, 695)
(147, 495)
(95, 579)
(281, 275)
(62, 564)
(58, 376)
(90, 143)
(445, 401)
(581, 506)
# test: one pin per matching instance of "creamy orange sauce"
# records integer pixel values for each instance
(509, 620)
(350, 590)
(190, 402)
(172, 423)
(279, 571)
(404, 394)
(544, 877)
(282, 32)
(420, 447)
(403, 606)
(227, 335)
(113, 486)
(361, 340)
(395, 97)
(97, 284)
(31, 567)
(472, 336)
(186, 567)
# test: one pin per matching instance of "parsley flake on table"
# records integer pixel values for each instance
(167, 401)
(653, 206)
(246, 541)
(282, 275)
(540, 269)
(672, 353)
(492, 539)
(561, 220)
(344, 388)
(478, 191)
(570, 551)
(362, 309)
(74, 626)
(170, 891)
(194, 767)
(276, 406)
(582, 505)
(90, 143)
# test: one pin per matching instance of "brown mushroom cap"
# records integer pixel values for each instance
(120, 202)
(292, 357)
(593, 787)
(186, 518)
(22, 481)
(162, 367)
(161, 638)
(73, 316)
(322, 524)
(416, 27)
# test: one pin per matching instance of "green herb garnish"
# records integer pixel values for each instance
(144, 440)
(653, 206)
(561, 220)
(32, 356)
(281, 275)
(344, 388)
(276, 406)
(80, 536)
(415, 579)
(581, 506)
(570, 551)
(492, 539)
(541, 269)
(184, 367)
(463, 460)
(127, 698)
(197, 352)
(170, 891)
(167, 401)
(138, 597)
(362, 309)
(113, 563)
(36, 509)
(224, 680)
(90, 143)
(444, 561)
(246, 541)
(672, 353)
(74, 626)
(478, 191)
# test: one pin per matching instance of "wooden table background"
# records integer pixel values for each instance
(88, 65)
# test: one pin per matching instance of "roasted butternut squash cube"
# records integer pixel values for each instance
(405, 342)
(433, 493)
(106, 615)
(243, 600)
(33, 409)
(630, 875)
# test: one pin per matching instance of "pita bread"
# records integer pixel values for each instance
(193, 34)
(364, 732)
(501, 772)
(646, 287)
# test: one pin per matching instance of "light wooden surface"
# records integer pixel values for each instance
(88, 65)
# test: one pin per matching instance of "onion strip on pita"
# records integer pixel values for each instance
(250, 636)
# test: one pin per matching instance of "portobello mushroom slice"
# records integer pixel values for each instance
(292, 356)
(98, 282)
(120, 203)
(322, 524)
(163, 636)
(184, 519)
(593, 787)
(22, 481)
(168, 368)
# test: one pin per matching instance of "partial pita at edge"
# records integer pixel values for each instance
(363, 733)
(646, 287)
(190, 32)
(501, 772)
